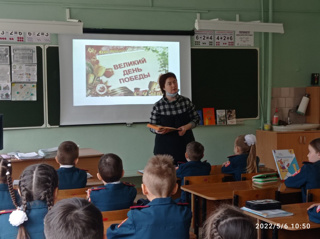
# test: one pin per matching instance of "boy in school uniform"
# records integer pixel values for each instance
(74, 218)
(162, 217)
(70, 177)
(114, 195)
(193, 167)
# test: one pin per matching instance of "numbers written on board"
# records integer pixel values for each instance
(203, 38)
(11, 36)
(38, 37)
(224, 38)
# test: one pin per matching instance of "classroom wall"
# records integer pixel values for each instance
(294, 57)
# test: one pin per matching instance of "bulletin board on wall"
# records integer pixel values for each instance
(26, 113)
(226, 78)
(45, 109)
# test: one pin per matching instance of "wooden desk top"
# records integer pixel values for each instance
(295, 222)
(107, 224)
(88, 160)
(83, 153)
(224, 191)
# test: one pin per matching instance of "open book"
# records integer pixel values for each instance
(286, 162)
(268, 213)
(159, 127)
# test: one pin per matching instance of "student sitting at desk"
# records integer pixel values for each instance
(229, 222)
(70, 177)
(74, 218)
(162, 217)
(245, 159)
(193, 167)
(38, 187)
(114, 195)
(6, 189)
(308, 176)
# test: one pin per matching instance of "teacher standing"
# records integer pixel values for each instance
(173, 110)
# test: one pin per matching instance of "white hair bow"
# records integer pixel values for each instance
(17, 217)
(250, 139)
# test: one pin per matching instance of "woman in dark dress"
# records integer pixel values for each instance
(173, 110)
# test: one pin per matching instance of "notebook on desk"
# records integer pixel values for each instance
(31, 155)
(269, 213)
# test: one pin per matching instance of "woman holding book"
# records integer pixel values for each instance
(173, 110)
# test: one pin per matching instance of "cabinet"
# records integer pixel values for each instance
(298, 141)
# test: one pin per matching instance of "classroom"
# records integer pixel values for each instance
(286, 62)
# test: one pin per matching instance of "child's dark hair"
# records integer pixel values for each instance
(195, 151)
(159, 175)
(162, 80)
(67, 153)
(37, 182)
(250, 150)
(110, 168)
(228, 222)
(5, 177)
(74, 218)
(315, 144)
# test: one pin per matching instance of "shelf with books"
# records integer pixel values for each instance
(210, 116)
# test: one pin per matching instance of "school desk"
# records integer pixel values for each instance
(213, 194)
(216, 169)
(293, 227)
(88, 160)
(107, 224)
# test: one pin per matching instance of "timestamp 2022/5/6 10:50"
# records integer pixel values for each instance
(266, 225)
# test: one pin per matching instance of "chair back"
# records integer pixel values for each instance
(313, 195)
(241, 196)
(115, 215)
(215, 169)
(217, 178)
(70, 193)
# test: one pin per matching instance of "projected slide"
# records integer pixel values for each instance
(108, 72)
(112, 78)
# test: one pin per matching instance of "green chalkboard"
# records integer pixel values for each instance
(26, 113)
(53, 85)
(226, 78)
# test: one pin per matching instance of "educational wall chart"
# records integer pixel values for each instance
(38, 37)
(24, 69)
(24, 92)
(5, 80)
(244, 38)
(31, 37)
(18, 79)
(203, 38)
(223, 38)
(11, 36)
(24, 73)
